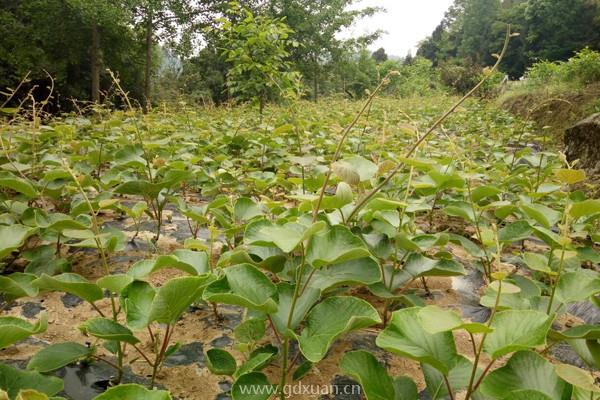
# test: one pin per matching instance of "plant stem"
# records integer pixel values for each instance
(338, 149)
(286, 340)
(159, 357)
(437, 123)
(557, 280)
(471, 389)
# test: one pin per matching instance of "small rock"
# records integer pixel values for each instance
(221, 342)
(31, 309)
(71, 301)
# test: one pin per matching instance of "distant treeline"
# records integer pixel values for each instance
(550, 30)
(178, 49)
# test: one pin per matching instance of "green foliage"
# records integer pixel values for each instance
(256, 47)
(473, 30)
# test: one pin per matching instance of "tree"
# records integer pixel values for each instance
(379, 55)
(33, 42)
(557, 29)
(174, 23)
(256, 49)
(316, 25)
(477, 31)
(98, 15)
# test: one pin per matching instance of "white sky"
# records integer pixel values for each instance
(406, 22)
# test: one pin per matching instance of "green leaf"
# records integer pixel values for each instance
(525, 370)
(251, 330)
(17, 285)
(372, 376)
(576, 377)
(483, 192)
(516, 330)
(515, 231)
(13, 380)
(189, 261)
(132, 391)
(70, 283)
(543, 215)
(361, 271)
(57, 356)
(585, 208)
(577, 286)
(458, 376)
(258, 359)
(252, 386)
(570, 176)
(245, 209)
(17, 184)
(220, 362)
(175, 296)
(435, 320)
(332, 318)
(537, 262)
(107, 329)
(13, 329)
(336, 245)
(12, 237)
(245, 286)
(287, 237)
(365, 168)
(406, 337)
(303, 304)
(346, 172)
(460, 209)
(136, 300)
(114, 283)
(577, 332)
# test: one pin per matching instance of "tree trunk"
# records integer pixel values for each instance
(96, 63)
(316, 84)
(148, 69)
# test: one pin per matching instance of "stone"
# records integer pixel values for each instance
(582, 142)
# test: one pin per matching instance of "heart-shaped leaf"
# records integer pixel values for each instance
(136, 300)
(245, 286)
(17, 285)
(543, 215)
(245, 209)
(20, 185)
(132, 391)
(13, 380)
(175, 296)
(287, 237)
(516, 330)
(220, 362)
(434, 319)
(332, 318)
(406, 337)
(57, 356)
(12, 237)
(336, 245)
(576, 377)
(189, 261)
(70, 283)
(372, 376)
(107, 329)
(361, 271)
(525, 370)
(13, 329)
(577, 286)
(303, 304)
(114, 283)
(252, 386)
(585, 208)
